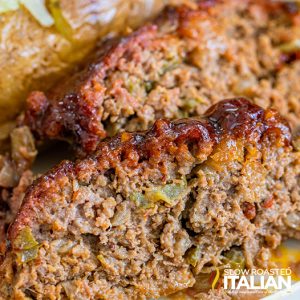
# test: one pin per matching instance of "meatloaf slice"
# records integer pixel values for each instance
(177, 67)
(148, 211)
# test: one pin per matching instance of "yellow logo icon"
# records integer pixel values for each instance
(214, 278)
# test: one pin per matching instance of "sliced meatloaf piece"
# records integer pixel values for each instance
(177, 67)
(144, 214)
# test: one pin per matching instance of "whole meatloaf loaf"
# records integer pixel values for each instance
(189, 58)
(148, 211)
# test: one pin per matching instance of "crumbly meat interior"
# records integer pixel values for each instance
(149, 211)
(177, 67)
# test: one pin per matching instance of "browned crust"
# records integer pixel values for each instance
(235, 119)
(73, 106)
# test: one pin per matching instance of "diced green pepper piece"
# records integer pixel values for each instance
(168, 65)
(193, 256)
(235, 258)
(25, 240)
(168, 193)
(140, 200)
(130, 87)
(192, 103)
(149, 86)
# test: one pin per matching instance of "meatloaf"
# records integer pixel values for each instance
(148, 211)
(188, 59)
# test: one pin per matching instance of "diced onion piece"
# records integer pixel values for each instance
(8, 5)
(39, 11)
